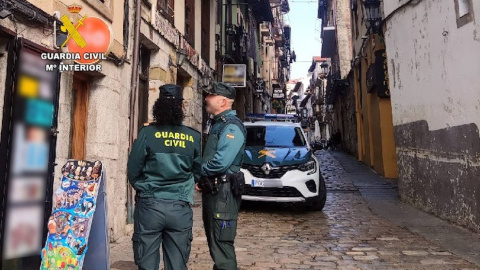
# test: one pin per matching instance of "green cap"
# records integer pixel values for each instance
(171, 91)
(222, 89)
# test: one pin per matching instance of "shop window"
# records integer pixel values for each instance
(166, 8)
(464, 12)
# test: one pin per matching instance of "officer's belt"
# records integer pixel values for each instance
(220, 179)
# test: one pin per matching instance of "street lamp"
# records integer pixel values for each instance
(372, 10)
(205, 81)
(181, 55)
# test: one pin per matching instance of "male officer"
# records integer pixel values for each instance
(163, 166)
(222, 159)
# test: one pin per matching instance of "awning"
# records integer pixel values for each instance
(329, 42)
(261, 9)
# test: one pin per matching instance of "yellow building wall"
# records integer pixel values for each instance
(376, 144)
(389, 154)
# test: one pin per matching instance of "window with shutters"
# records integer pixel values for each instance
(166, 8)
(190, 21)
(206, 30)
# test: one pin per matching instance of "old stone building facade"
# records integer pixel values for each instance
(415, 119)
(340, 95)
(435, 99)
(361, 105)
(93, 107)
(96, 115)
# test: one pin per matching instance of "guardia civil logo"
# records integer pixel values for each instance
(89, 36)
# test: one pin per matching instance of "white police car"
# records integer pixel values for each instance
(279, 164)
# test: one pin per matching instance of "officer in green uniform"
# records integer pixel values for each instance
(222, 159)
(163, 166)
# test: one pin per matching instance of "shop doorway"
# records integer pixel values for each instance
(81, 95)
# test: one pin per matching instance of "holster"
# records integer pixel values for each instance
(237, 183)
(210, 184)
(207, 184)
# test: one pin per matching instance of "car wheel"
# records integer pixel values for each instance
(319, 201)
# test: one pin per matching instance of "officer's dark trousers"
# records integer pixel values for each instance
(220, 214)
(162, 222)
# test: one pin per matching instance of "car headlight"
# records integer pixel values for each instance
(309, 166)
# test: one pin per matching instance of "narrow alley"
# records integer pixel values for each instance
(346, 235)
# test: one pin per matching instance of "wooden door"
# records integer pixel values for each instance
(79, 118)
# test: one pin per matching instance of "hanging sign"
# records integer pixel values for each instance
(278, 93)
(235, 74)
(259, 86)
(381, 73)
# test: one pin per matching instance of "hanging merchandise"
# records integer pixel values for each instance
(74, 204)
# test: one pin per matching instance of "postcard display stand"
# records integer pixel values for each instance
(77, 229)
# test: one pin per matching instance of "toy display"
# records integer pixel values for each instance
(74, 204)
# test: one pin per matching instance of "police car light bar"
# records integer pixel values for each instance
(277, 117)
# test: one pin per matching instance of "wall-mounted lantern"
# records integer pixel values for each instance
(374, 17)
(181, 56)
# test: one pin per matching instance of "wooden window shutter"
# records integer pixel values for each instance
(166, 8)
(190, 21)
(205, 30)
(171, 10)
(161, 6)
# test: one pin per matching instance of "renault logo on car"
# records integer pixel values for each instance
(266, 168)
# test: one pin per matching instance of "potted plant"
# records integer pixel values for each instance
(277, 105)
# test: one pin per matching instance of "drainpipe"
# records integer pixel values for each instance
(133, 100)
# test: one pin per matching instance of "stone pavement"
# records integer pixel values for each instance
(346, 235)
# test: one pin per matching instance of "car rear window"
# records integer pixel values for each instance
(275, 136)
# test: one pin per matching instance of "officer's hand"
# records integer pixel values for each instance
(197, 188)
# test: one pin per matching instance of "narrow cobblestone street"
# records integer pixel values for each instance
(346, 235)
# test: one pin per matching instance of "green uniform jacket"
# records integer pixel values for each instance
(225, 145)
(165, 162)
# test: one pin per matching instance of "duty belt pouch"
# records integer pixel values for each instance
(206, 184)
(237, 183)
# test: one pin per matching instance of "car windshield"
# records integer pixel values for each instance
(275, 136)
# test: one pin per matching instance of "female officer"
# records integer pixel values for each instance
(163, 166)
